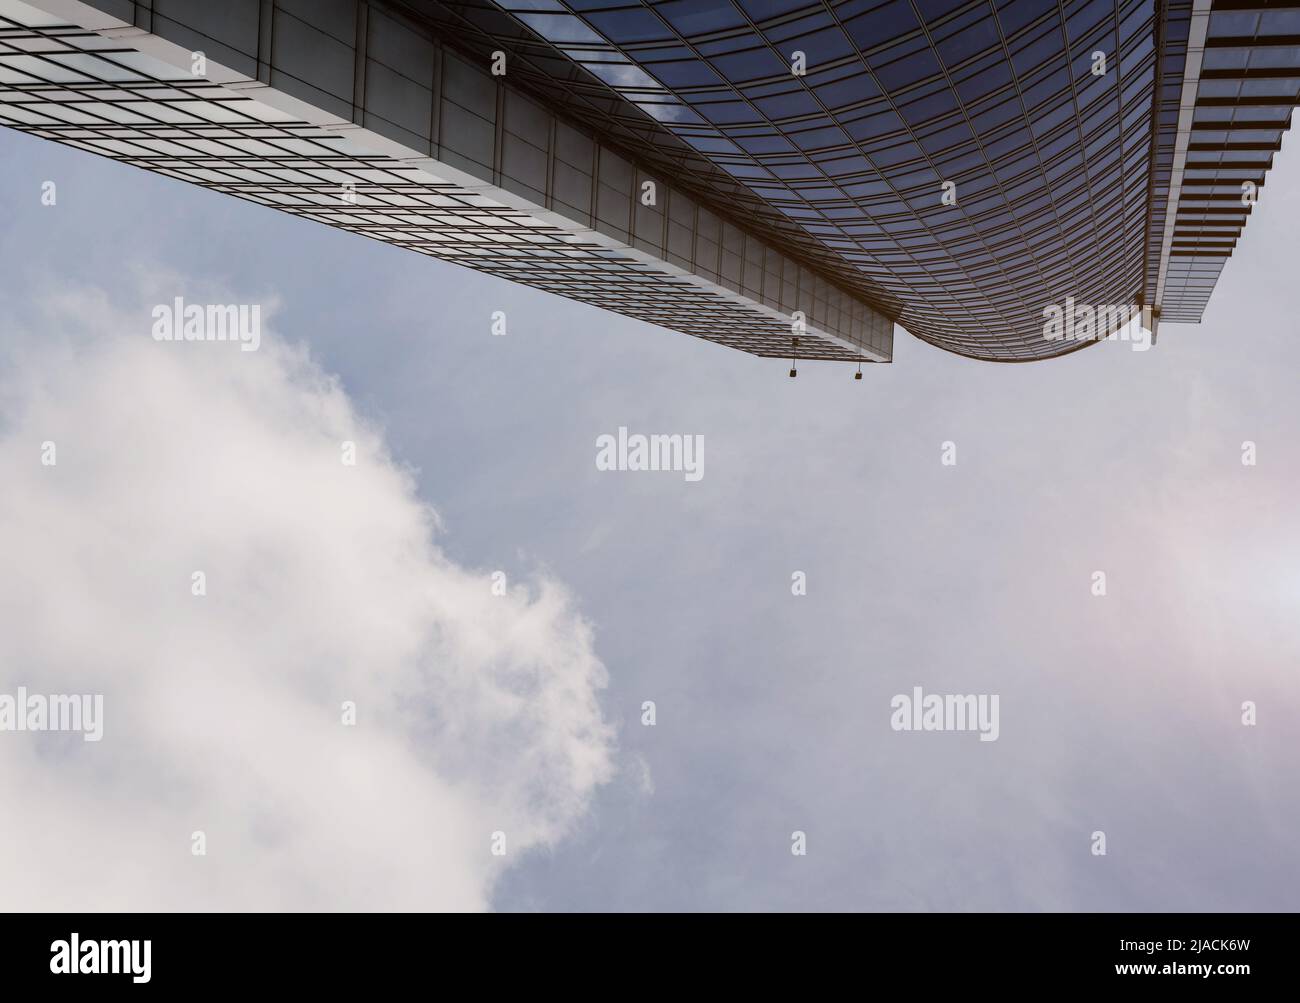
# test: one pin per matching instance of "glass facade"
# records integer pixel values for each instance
(1062, 166)
(1249, 80)
(391, 135)
(955, 166)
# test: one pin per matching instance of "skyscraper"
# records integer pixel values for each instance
(779, 176)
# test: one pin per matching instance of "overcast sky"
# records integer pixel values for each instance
(522, 714)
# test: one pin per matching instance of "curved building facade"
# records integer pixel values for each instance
(779, 176)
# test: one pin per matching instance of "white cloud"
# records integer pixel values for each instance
(222, 713)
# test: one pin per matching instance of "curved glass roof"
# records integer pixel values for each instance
(841, 126)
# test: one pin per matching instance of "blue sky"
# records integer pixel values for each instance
(1120, 713)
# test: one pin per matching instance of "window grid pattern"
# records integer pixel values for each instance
(1172, 31)
(1249, 84)
(77, 87)
(1051, 163)
(818, 191)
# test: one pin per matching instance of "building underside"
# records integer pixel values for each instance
(745, 171)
